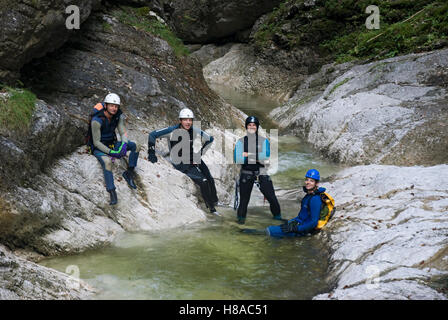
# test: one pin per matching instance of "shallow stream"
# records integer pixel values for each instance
(214, 259)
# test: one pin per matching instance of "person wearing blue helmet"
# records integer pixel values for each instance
(306, 220)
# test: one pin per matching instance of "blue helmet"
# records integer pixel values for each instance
(313, 174)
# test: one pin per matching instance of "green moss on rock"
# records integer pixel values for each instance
(16, 108)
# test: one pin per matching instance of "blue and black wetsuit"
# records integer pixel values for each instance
(253, 168)
(105, 139)
(184, 158)
(307, 218)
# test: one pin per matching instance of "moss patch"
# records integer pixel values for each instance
(16, 108)
(140, 20)
(339, 84)
(337, 28)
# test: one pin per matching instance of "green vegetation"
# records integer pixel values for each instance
(16, 108)
(337, 28)
(339, 84)
(106, 27)
(139, 19)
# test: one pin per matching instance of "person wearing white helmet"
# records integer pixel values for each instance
(104, 145)
(181, 137)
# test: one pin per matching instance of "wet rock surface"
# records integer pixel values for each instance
(241, 70)
(200, 21)
(30, 29)
(388, 238)
(392, 111)
(22, 279)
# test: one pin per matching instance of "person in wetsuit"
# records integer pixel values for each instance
(107, 118)
(308, 216)
(252, 152)
(183, 157)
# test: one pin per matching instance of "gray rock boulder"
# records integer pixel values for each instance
(388, 238)
(22, 279)
(240, 69)
(30, 29)
(27, 152)
(392, 111)
(209, 52)
(67, 209)
(200, 21)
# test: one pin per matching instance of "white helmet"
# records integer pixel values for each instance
(186, 113)
(112, 98)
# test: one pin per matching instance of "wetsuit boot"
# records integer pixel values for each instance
(241, 220)
(128, 175)
(113, 197)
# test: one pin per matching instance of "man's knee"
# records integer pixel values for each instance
(133, 146)
(107, 163)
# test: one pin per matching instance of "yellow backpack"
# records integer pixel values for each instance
(327, 210)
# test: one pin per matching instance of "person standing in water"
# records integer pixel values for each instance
(252, 152)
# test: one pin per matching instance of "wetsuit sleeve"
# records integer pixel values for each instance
(238, 152)
(310, 224)
(266, 151)
(207, 139)
(96, 137)
(154, 135)
(122, 129)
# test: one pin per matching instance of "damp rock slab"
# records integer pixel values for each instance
(388, 238)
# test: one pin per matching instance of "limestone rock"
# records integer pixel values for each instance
(204, 21)
(241, 70)
(388, 238)
(392, 111)
(21, 279)
(30, 29)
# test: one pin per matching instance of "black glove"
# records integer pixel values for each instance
(289, 227)
(152, 155)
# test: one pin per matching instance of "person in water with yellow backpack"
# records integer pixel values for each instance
(311, 217)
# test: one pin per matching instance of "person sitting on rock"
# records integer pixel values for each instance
(107, 118)
(252, 151)
(308, 217)
(183, 157)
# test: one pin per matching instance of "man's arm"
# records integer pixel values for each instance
(122, 129)
(207, 139)
(154, 135)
